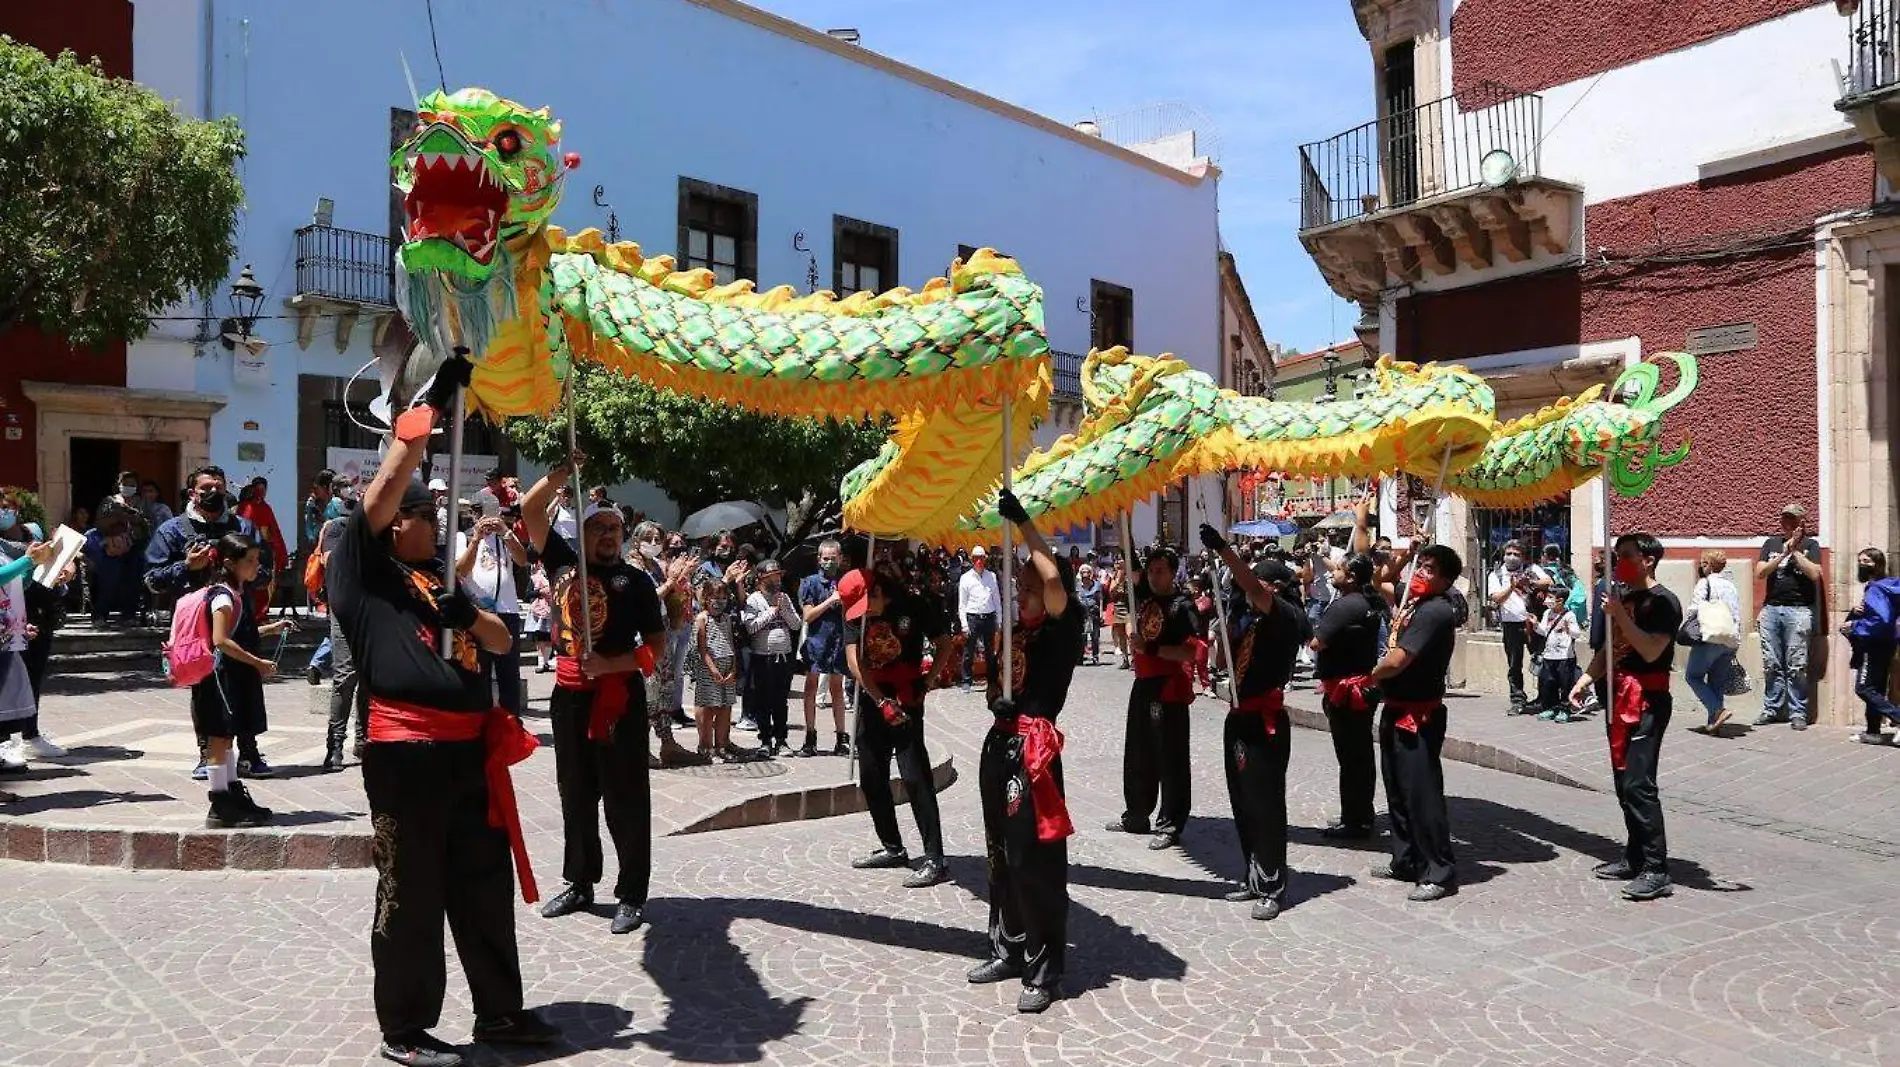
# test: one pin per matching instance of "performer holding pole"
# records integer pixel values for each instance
(598, 708)
(885, 647)
(1267, 631)
(1155, 743)
(1025, 817)
(435, 768)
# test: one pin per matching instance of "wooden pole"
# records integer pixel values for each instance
(1220, 611)
(580, 533)
(1006, 591)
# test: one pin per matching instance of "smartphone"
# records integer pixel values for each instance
(491, 507)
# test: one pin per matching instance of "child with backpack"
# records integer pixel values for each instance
(227, 700)
(1557, 661)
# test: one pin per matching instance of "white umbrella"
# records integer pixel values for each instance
(1338, 520)
(727, 515)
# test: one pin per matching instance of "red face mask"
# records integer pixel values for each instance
(1420, 586)
(1630, 571)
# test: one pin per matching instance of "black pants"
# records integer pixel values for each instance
(38, 651)
(503, 669)
(766, 699)
(982, 629)
(436, 858)
(1554, 679)
(878, 741)
(612, 774)
(1872, 663)
(1514, 658)
(1155, 760)
(1358, 770)
(1415, 798)
(1029, 878)
(1256, 787)
(1647, 849)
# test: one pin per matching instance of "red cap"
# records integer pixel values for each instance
(851, 589)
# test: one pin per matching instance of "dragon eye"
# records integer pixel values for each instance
(508, 144)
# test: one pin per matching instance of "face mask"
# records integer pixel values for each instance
(1513, 563)
(211, 501)
(1630, 571)
(1420, 586)
(8, 517)
(716, 605)
(128, 490)
(829, 566)
(723, 554)
(1863, 573)
(650, 550)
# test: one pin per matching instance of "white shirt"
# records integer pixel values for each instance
(1717, 586)
(1512, 608)
(564, 524)
(773, 623)
(977, 594)
(491, 582)
(1560, 630)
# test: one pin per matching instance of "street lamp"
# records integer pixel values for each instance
(1331, 361)
(247, 298)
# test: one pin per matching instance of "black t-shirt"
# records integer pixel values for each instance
(1265, 646)
(1167, 620)
(621, 597)
(386, 610)
(1043, 662)
(1426, 630)
(1654, 611)
(899, 635)
(1349, 632)
(1787, 586)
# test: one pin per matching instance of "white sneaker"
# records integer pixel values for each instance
(12, 758)
(40, 748)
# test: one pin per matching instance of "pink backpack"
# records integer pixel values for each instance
(189, 657)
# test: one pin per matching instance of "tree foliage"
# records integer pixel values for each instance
(112, 207)
(700, 452)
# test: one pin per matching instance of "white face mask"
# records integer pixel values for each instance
(650, 549)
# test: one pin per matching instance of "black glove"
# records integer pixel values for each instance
(457, 610)
(1011, 508)
(1004, 708)
(452, 376)
(1211, 539)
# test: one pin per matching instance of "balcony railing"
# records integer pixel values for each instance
(1068, 379)
(1430, 150)
(1873, 47)
(345, 265)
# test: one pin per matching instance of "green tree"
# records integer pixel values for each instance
(700, 452)
(112, 207)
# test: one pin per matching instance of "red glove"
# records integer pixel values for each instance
(643, 658)
(893, 714)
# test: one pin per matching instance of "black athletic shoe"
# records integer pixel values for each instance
(522, 1027)
(810, 748)
(843, 747)
(242, 796)
(1240, 896)
(1389, 873)
(1340, 831)
(933, 872)
(315, 675)
(227, 812)
(627, 919)
(419, 1049)
(1614, 871)
(1034, 1000)
(882, 859)
(568, 901)
(1425, 892)
(1648, 886)
(1265, 909)
(990, 971)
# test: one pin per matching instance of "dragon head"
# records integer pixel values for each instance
(478, 172)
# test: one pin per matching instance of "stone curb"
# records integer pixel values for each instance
(1472, 752)
(294, 850)
(817, 803)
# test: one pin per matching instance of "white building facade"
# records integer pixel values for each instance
(704, 126)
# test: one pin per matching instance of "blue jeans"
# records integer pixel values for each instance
(1707, 674)
(1784, 660)
(320, 659)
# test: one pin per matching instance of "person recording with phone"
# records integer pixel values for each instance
(181, 558)
(493, 564)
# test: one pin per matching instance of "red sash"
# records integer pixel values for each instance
(1413, 714)
(612, 695)
(1348, 693)
(1179, 688)
(504, 742)
(1626, 709)
(1042, 743)
(1267, 705)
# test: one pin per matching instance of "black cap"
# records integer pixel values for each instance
(416, 497)
(1273, 572)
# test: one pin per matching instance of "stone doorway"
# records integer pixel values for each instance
(139, 418)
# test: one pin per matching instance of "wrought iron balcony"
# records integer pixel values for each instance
(1068, 377)
(346, 266)
(1873, 48)
(1430, 150)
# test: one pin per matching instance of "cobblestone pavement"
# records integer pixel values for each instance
(764, 947)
